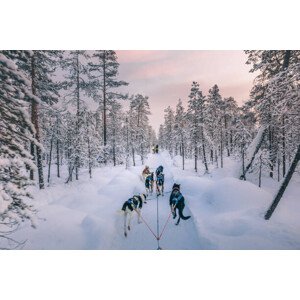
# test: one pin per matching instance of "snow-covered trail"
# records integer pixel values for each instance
(183, 236)
(227, 213)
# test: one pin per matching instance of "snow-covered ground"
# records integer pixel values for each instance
(227, 213)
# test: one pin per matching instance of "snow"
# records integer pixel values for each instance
(227, 213)
(253, 146)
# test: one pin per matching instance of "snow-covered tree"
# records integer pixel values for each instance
(196, 110)
(104, 69)
(75, 63)
(139, 112)
(169, 134)
(214, 114)
(180, 130)
(17, 132)
(275, 101)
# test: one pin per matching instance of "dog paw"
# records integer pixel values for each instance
(128, 227)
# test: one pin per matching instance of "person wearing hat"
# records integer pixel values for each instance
(153, 149)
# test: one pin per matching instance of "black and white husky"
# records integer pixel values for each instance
(133, 204)
(177, 203)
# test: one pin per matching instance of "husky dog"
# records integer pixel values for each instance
(149, 184)
(133, 204)
(145, 173)
(159, 170)
(160, 180)
(177, 202)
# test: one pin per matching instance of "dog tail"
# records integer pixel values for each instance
(182, 216)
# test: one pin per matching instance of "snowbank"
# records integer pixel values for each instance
(227, 213)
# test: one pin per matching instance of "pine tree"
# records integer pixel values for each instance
(16, 133)
(196, 112)
(214, 114)
(140, 110)
(169, 133)
(104, 67)
(180, 130)
(39, 67)
(275, 102)
(78, 84)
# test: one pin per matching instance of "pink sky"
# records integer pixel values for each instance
(166, 76)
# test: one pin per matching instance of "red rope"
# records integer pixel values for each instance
(147, 225)
(157, 237)
(165, 226)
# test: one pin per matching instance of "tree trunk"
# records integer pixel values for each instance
(262, 132)
(127, 144)
(104, 100)
(114, 153)
(196, 157)
(31, 176)
(221, 147)
(142, 153)
(35, 121)
(231, 141)
(226, 136)
(283, 146)
(89, 147)
(260, 167)
(90, 158)
(278, 169)
(203, 149)
(243, 162)
(50, 159)
(284, 185)
(57, 157)
(182, 147)
(271, 151)
(77, 121)
(216, 159)
(133, 157)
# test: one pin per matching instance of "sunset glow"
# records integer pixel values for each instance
(166, 76)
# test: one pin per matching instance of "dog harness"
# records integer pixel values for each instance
(148, 180)
(176, 197)
(131, 203)
(160, 179)
(138, 200)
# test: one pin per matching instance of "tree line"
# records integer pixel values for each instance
(263, 133)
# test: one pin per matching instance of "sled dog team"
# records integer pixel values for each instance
(135, 203)
(148, 178)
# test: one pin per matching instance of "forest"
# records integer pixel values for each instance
(65, 110)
